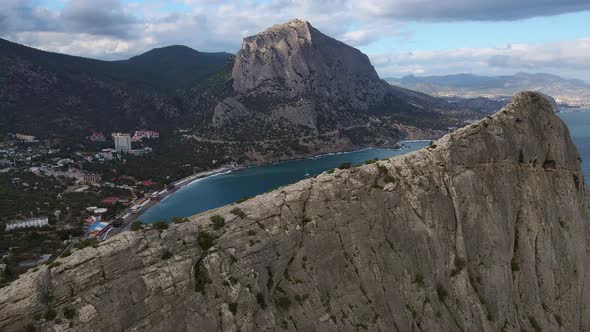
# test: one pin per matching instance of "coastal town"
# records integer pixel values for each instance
(59, 198)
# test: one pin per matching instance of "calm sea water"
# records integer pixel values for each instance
(223, 189)
(578, 122)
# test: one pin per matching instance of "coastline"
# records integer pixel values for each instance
(129, 218)
(195, 178)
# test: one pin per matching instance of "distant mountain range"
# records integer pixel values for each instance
(568, 92)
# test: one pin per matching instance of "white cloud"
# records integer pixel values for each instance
(467, 10)
(111, 29)
(571, 58)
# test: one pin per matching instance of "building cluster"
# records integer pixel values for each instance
(98, 136)
(27, 223)
(25, 138)
(122, 142)
(144, 134)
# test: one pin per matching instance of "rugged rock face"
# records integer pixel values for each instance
(296, 59)
(486, 230)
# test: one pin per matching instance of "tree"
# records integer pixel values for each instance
(218, 221)
(179, 220)
(161, 225)
(136, 225)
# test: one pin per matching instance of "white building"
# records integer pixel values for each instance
(141, 152)
(33, 222)
(122, 142)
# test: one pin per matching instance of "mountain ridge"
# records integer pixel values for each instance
(458, 236)
(290, 92)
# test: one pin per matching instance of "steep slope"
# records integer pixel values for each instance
(178, 66)
(486, 230)
(565, 91)
(295, 59)
(46, 93)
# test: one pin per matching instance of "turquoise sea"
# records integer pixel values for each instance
(223, 189)
(578, 122)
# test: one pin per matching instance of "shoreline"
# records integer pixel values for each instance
(195, 178)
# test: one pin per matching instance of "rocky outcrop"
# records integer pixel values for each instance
(229, 110)
(295, 59)
(485, 230)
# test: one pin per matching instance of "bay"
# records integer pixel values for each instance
(218, 190)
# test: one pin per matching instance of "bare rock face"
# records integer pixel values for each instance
(227, 110)
(486, 230)
(295, 59)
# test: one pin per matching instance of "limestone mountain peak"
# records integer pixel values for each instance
(296, 59)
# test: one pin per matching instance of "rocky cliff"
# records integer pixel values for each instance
(485, 230)
(296, 59)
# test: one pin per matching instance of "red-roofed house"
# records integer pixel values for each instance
(147, 183)
(97, 136)
(142, 134)
(110, 201)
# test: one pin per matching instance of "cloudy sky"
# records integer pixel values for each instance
(421, 37)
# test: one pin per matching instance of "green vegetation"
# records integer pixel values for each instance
(53, 264)
(384, 172)
(370, 161)
(201, 278)
(160, 225)
(179, 220)
(330, 171)
(382, 169)
(515, 265)
(388, 178)
(136, 225)
(92, 242)
(419, 279)
(205, 240)
(243, 199)
(218, 221)
(66, 253)
(238, 212)
(345, 166)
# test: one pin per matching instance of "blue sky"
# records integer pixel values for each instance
(421, 37)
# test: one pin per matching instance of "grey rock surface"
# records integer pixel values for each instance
(485, 230)
(296, 59)
(227, 110)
